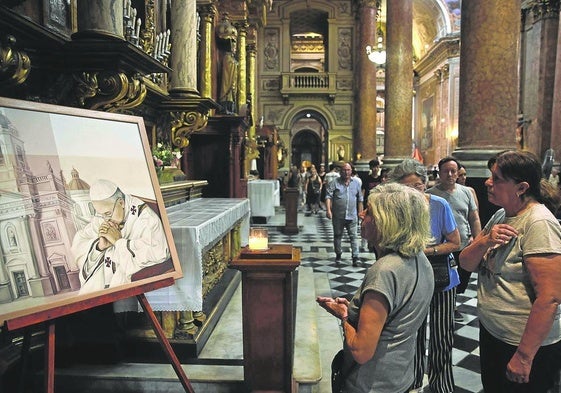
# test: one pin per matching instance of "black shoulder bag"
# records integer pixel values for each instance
(441, 269)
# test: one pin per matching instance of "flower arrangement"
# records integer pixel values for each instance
(164, 155)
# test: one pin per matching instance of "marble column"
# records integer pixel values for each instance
(100, 18)
(242, 64)
(183, 81)
(539, 78)
(206, 76)
(251, 85)
(364, 138)
(399, 81)
(556, 106)
(489, 81)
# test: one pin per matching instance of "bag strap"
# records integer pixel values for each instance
(412, 292)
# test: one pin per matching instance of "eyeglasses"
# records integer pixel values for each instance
(109, 214)
(418, 186)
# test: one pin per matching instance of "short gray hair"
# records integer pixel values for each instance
(402, 218)
(407, 167)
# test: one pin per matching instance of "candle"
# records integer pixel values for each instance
(138, 23)
(258, 239)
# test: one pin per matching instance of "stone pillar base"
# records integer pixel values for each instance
(475, 160)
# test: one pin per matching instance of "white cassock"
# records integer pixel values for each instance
(143, 243)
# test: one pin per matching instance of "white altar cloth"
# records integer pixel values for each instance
(196, 226)
(263, 195)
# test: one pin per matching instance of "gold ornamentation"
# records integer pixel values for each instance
(214, 266)
(149, 31)
(183, 124)
(14, 65)
(110, 92)
(86, 86)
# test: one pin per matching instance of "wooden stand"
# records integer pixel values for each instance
(50, 317)
(268, 316)
(291, 209)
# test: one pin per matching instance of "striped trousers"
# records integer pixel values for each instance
(441, 340)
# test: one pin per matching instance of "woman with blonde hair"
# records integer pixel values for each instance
(381, 320)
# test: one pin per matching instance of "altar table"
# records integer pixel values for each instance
(263, 195)
(196, 226)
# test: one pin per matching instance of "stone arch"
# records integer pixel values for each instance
(291, 6)
(308, 130)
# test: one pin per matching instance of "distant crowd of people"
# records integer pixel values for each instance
(415, 217)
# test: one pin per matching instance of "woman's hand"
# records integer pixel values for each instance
(518, 369)
(362, 214)
(501, 234)
(337, 307)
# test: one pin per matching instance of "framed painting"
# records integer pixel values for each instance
(427, 122)
(82, 217)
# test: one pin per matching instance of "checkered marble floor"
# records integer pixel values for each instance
(315, 238)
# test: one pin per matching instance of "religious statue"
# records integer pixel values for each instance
(228, 89)
(341, 153)
(229, 81)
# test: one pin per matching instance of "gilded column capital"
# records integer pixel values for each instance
(545, 9)
(184, 124)
(251, 49)
(14, 65)
(109, 92)
(242, 25)
(207, 12)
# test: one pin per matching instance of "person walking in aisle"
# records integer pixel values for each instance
(302, 180)
(313, 190)
(518, 259)
(321, 174)
(465, 209)
(343, 200)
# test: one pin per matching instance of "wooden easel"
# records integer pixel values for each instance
(50, 316)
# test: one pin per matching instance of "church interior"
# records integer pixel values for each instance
(229, 96)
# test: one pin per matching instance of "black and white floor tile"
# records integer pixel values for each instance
(315, 239)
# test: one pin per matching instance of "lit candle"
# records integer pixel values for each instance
(258, 239)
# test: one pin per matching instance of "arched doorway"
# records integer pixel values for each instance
(309, 138)
(306, 147)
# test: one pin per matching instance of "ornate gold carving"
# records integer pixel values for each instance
(86, 86)
(213, 267)
(251, 148)
(183, 124)
(110, 92)
(148, 35)
(14, 65)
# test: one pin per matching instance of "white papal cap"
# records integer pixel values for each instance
(102, 189)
